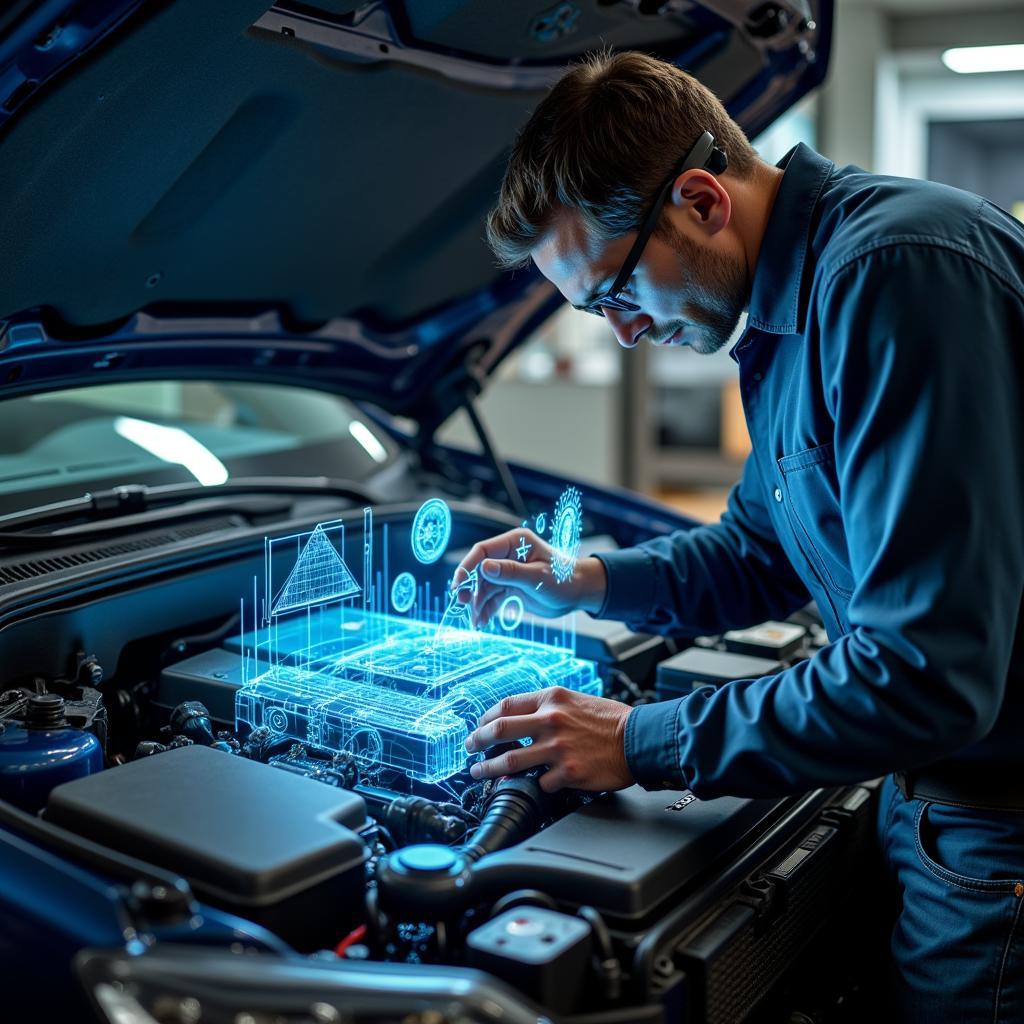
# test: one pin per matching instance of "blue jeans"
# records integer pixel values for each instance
(958, 941)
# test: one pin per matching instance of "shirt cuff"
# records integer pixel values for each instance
(630, 591)
(652, 745)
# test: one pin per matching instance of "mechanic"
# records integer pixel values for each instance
(880, 368)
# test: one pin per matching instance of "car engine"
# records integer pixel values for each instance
(302, 766)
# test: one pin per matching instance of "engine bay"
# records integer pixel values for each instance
(301, 765)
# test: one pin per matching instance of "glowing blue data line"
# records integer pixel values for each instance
(367, 557)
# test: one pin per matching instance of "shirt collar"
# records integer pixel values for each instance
(777, 302)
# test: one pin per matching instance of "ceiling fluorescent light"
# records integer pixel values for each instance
(969, 60)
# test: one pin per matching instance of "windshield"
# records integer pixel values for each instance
(63, 444)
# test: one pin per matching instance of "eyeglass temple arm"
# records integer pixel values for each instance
(704, 153)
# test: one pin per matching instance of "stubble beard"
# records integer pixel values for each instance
(717, 294)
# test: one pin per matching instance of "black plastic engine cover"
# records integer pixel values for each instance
(272, 847)
(627, 852)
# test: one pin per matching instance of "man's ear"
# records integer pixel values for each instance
(700, 195)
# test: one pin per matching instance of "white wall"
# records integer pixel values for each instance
(885, 79)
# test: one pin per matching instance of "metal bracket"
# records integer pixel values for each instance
(369, 35)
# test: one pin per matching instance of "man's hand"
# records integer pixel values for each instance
(580, 738)
(519, 562)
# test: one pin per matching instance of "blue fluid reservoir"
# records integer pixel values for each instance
(43, 752)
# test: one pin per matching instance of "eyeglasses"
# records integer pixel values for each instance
(703, 153)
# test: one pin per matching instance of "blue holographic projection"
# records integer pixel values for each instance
(510, 612)
(523, 550)
(403, 592)
(341, 673)
(319, 575)
(457, 622)
(540, 523)
(566, 530)
(430, 530)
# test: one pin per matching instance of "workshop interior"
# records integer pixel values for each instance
(262, 388)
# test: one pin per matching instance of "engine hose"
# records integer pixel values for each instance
(413, 819)
(429, 882)
(512, 814)
(606, 963)
(519, 897)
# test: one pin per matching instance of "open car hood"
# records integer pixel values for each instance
(297, 192)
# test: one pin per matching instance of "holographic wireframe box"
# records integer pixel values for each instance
(405, 702)
(402, 689)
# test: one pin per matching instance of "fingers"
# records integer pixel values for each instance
(500, 561)
(514, 575)
(517, 704)
(502, 577)
(512, 762)
(493, 547)
(553, 780)
(521, 545)
(501, 730)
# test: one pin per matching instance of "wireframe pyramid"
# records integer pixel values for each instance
(319, 575)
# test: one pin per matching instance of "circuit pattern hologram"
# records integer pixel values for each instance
(566, 532)
(328, 664)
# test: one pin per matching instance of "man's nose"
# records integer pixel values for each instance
(628, 328)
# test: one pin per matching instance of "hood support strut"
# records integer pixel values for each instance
(515, 499)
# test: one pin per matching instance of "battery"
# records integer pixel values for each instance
(684, 672)
(777, 640)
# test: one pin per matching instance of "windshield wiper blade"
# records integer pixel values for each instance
(105, 511)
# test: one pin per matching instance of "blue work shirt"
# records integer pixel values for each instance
(880, 372)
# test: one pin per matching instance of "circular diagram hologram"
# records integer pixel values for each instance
(403, 592)
(430, 530)
(510, 612)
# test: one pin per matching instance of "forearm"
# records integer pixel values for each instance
(855, 711)
(703, 580)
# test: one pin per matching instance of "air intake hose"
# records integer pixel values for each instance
(433, 882)
(514, 811)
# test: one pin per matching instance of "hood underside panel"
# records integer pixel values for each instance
(326, 160)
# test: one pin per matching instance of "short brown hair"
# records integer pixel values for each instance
(601, 142)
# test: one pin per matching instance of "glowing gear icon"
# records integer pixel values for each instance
(566, 529)
(403, 592)
(430, 530)
(523, 550)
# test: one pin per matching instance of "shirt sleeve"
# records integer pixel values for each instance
(921, 369)
(710, 578)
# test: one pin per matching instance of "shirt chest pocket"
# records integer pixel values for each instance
(812, 504)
